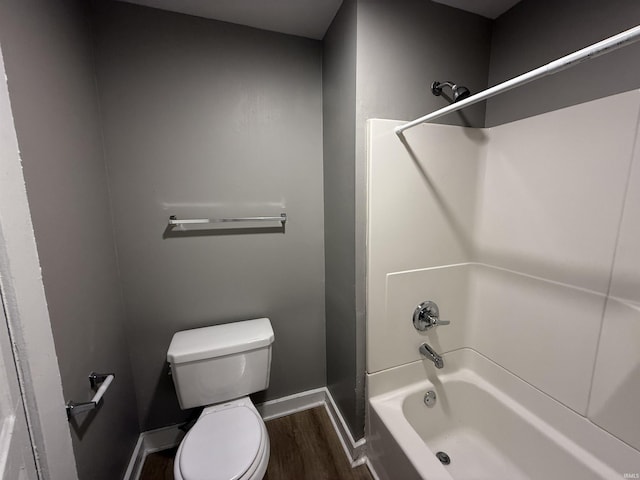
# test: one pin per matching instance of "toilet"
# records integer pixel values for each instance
(218, 367)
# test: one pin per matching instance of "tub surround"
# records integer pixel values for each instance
(616, 377)
(481, 302)
(524, 236)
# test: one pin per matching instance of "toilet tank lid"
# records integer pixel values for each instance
(219, 340)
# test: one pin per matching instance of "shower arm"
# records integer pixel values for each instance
(605, 46)
(436, 87)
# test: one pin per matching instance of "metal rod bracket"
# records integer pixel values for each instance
(99, 382)
(96, 379)
(75, 408)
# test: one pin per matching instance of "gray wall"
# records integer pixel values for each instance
(404, 45)
(535, 32)
(49, 67)
(208, 118)
(339, 123)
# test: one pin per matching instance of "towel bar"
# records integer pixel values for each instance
(173, 221)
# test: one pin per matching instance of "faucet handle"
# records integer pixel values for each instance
(427, 315)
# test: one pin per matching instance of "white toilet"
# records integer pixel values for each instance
(218, 367)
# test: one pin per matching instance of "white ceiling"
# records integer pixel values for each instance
(305, 18)
(486, 8)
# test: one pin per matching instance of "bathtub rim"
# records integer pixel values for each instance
(388, 388)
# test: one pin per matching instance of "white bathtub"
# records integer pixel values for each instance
(492, 425)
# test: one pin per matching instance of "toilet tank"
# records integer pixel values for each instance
(219, 363)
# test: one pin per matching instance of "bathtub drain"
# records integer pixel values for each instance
(444, 458)
(430, 398)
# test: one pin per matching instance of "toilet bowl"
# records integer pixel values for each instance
(217, 367)
(228, 442)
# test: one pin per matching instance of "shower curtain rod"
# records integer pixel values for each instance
(605, 46)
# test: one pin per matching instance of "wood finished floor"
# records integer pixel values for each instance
(304, 446)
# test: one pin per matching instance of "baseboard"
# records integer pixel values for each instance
(355, 450)
(169, 437)
(290, 404)
(150, 442)
(135, 462)
(314, 398)
(371, 469)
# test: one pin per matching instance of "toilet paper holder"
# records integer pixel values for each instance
(99, 381)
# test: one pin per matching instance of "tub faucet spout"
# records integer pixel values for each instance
(428, 352)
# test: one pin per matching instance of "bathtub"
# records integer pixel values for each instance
(490, 423)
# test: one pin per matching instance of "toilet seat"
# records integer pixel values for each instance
(227, 442)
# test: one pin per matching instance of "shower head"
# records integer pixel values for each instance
(459, 92)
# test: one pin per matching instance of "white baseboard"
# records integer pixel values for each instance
(150, 442)
(355, 450)
(313, 398)
(291, 404)
(372, 470)
(169, 437)
(135, 462)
